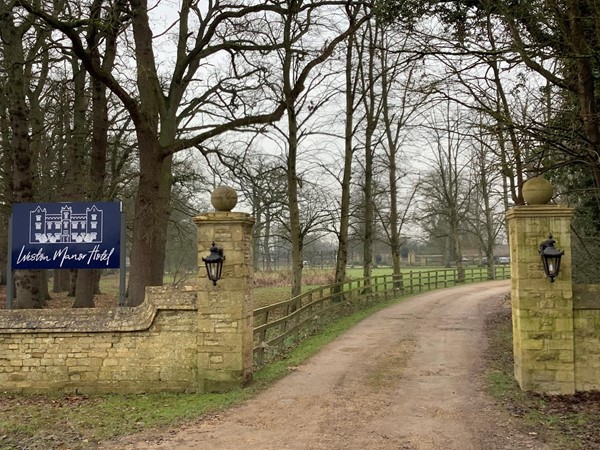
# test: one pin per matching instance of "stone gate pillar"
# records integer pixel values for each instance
(225, 310)
(542, 312)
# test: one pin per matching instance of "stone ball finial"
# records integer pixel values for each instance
(537, 191)
(223, 198)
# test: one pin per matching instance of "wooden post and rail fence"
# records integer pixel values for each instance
(280, 326)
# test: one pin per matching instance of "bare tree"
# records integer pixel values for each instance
(314, 206)
(403, 98)
(93, 188)
(372, 104)
(485, 218)
(5, 179)
(162, 103)
(18, 67)
(342, 170)
(556, 41)
(352, 99)
(262, 181)
(566, 32)
(446, 189)
(300, 113)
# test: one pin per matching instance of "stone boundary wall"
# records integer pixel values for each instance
(148, 348)
(586, 324)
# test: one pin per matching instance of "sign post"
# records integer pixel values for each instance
(123, 262)
(81, 235)
(9, 273)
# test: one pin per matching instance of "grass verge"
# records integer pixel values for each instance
(37, 422)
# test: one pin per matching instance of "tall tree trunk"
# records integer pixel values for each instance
(88, 281)
(257, 234)
(60, 280)
(72, 283)
(372, 114)
(392, 154)
(26, 281)
(97, 289)
(342, 249)
(79, 176)
(6, 197)
(152, 210)
(265, 245)
(394, 222)
(514, 176)
(292, 141)
(488, 213)
(44, 292)
(295, 232)
(455, 236)
(152, 201)
(585, 49)
(4, 218)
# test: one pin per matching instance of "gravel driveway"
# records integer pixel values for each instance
(408, 377)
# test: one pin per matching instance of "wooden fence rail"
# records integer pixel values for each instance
(280, 326)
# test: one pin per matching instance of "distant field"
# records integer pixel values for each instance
(271, 287)
(268, 295)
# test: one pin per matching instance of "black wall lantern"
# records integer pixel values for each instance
(214, 263)
(550, 258)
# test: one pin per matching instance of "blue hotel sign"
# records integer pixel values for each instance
(66, 235)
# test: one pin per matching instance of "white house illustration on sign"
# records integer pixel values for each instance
(66, 226)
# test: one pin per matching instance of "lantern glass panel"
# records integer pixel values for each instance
(214, 270)
(552, 266)
(550, 258)
(214, 264)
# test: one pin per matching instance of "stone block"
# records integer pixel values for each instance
(17, 377)
(225, 341)
(537, 335)
(216, 359)
(587, 386)
(564, 324)
(556, 365)
(544, 356)
(47, 362)
(531, 325)
(226, 326)
(233, 360)
(566, 355)
(560, 344)
(565, 375)
(542, 376)
(30, 362)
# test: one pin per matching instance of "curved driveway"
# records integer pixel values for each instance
(408, 377)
